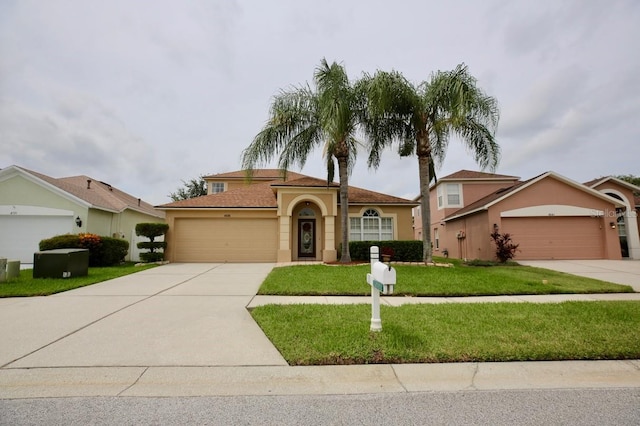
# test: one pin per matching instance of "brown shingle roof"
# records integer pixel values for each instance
(258, 195)
(593, 182)
(99, 194)
(470, 174)
(258, 174)
(307, 181)
(263, 195)
(364, 196)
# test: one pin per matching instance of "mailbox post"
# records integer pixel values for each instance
(381, 279)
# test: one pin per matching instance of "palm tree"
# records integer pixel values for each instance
(421, 119)
(302, 119)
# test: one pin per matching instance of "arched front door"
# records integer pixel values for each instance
(306, 233)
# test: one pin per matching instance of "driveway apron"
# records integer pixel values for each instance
(615, 271)
(172, 315)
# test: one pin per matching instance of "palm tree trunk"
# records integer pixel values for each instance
(425, 206)
(343, 172)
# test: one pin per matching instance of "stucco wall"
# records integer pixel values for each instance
(20, 191)
(99, 222)
(476, 243)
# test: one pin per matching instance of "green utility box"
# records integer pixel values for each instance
(61, 263)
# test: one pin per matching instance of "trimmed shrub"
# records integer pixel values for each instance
(60, 242)
(152, 256)
(151, 231)
(113, 251)
(152, 245)
(103, 251)
(402, 251)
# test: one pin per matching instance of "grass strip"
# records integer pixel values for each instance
(339, 334)
(25, 285)
(459, 280)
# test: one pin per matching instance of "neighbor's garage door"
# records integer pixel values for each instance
(20, 236)
(556, 237)
(225, 240)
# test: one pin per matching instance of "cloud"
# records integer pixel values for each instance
(81, 136)
(149, 93)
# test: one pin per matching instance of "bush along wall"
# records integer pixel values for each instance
(401, 251)
(156, 248)
(103, 251)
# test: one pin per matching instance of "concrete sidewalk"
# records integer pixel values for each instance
(183, 330)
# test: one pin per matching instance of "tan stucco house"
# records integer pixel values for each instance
(34, 206)
(271, 219)
(549, 216)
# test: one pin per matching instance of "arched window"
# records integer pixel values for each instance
(306, 212)
(371, 227)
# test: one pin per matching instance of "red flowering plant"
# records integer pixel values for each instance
(90, 241)
(386, 253)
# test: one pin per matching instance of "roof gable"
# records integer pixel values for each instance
(96, 194)
(597, 182)
(501, 194)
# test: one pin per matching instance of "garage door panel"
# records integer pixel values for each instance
(21, 235)
(556, 237)
(225, 240)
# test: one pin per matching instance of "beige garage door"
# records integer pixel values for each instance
(556, 237)
(225, 240)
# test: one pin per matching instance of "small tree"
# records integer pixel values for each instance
(151, 231)
(505, 248)
(196, 187)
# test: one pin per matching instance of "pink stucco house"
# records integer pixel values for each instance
(549, 216)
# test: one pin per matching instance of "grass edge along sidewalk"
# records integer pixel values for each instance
(460, 280)
(479, 332)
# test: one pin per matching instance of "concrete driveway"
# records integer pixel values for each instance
(173, 315)
(184, 330)
(615, 271)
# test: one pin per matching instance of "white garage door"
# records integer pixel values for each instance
(556, 237)
(225, 240)
(20, 235)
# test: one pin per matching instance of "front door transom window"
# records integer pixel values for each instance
(371, 227)
(307, 212)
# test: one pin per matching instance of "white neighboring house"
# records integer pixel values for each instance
(34, 207)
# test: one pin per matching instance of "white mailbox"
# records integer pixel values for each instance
(384, 277)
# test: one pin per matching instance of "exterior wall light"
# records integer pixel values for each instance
(612, 225)
(78, 221)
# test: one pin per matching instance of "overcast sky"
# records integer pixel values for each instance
(144, 94)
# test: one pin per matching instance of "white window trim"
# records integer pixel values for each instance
(442, 196)
(224, 187)
(381, 215)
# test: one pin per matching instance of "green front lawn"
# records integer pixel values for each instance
(459, 280)
(339, 334)
(26, 285)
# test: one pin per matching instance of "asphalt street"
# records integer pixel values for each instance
(500, 407)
